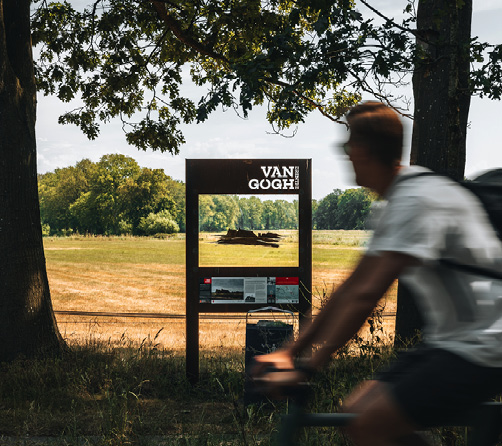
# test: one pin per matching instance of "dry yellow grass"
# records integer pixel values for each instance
(156, 284)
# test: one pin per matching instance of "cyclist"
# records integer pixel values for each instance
(427, 218)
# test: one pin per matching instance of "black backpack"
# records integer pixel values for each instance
(488, 188)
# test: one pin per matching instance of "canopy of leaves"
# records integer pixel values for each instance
(130, 58)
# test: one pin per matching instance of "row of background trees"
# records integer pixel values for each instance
(112, 196)
(116, 196)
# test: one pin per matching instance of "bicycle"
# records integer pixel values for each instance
(485, 420)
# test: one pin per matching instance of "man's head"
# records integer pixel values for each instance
(375, 144)
(379, 128)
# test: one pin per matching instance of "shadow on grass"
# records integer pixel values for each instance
(102, 395)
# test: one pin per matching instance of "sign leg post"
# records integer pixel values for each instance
(192, 346)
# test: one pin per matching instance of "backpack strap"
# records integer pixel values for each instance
(471, 269)
(402, 178)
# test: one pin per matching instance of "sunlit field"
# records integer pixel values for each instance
(147, 275)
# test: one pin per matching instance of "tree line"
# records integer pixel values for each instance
(220, 212)
(116, 196)
(349, 209)
(113, 196)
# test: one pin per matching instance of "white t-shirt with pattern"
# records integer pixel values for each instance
(432, 218)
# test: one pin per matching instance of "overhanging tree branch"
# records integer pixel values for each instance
(177, 30)
(385, 98)
(389, 20)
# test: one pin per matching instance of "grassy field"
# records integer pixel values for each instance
(122, 382)
(147, 275)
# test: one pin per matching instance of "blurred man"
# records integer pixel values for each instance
(428, 218)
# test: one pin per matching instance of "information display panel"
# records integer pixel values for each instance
(252, 290)
(243, 268)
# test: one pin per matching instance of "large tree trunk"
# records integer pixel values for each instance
(27, 323)
(441, 86)
(442, 100)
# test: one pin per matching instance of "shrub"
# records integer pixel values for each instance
(46, 230)
(124, 227)
(162, 222)
(65, 232)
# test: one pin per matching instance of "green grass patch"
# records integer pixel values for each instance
(340, 258)
(115, 250)
(331, 249)
(213, 254)
(340, 238)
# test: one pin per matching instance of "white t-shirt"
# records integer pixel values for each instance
(433, 218)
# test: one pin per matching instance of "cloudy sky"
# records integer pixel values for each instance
(225, 135)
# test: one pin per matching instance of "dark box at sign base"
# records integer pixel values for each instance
(263, 337)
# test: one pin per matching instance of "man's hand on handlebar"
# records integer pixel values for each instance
(276, 376)
(278, 360)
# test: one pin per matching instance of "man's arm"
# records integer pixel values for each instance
(351, 304)
(345, 312)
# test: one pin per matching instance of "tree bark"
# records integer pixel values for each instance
(27, 322)
(441, 86)
(442, 100)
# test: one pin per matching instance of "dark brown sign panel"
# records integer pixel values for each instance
(271, 176)
(223, 289)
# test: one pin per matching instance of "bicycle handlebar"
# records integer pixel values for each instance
(298, 391)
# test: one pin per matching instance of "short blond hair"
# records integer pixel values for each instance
(379, 128)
